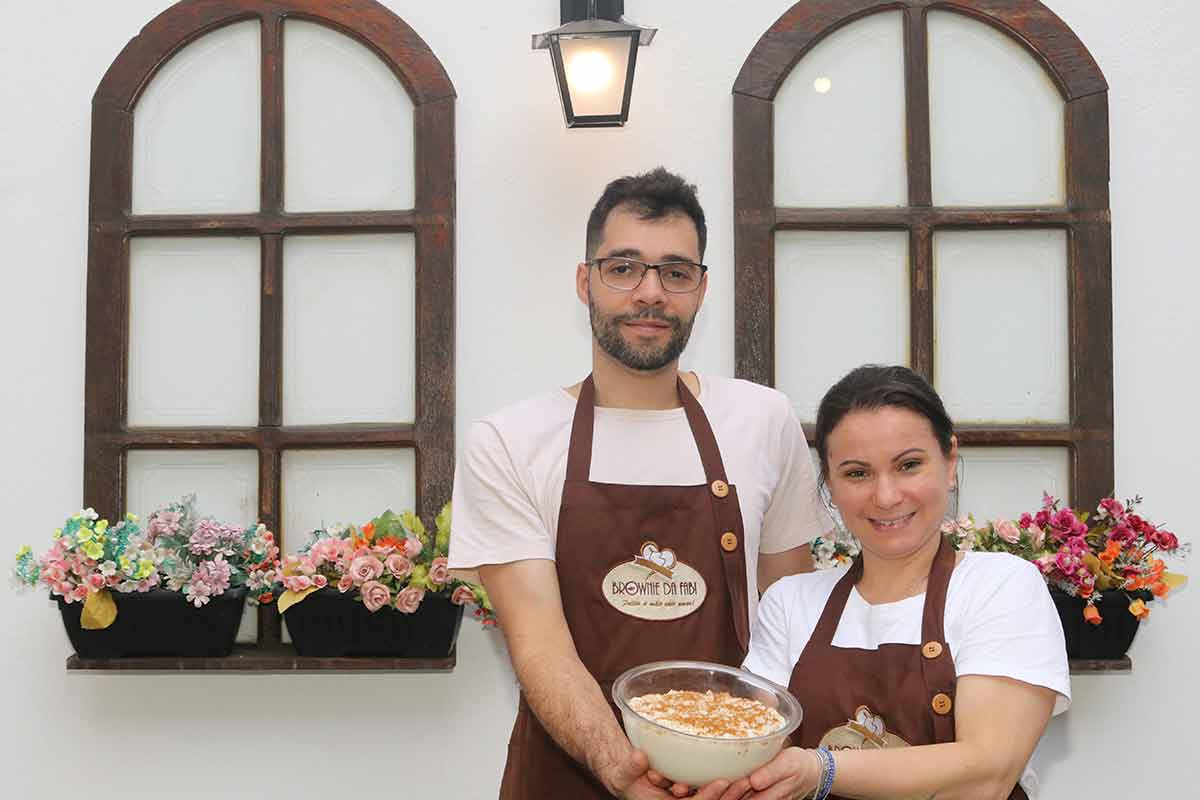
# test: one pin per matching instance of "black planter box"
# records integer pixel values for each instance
(1108, 640)
(330, 624)
(159, 623)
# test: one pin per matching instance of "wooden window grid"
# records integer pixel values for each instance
(107, 436)
(1085, 216)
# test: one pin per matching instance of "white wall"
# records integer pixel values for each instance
(525, 187)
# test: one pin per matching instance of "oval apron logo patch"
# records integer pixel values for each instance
(654, 585)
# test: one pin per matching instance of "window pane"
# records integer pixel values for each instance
(1008, 481)
(1000, 312)
(839, 120)
(996, 119)
(349, 330)
(196, 128)
(323, 487)
(348, 125)
(841, 300)
(193, 331)
(225, 483)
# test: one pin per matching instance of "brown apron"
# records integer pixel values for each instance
(602, 526)
(898, 695)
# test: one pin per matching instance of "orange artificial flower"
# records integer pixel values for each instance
(1138, 609)
(1092, 614)
(390, 541)
(266, 598)
(1086, 591)
(1160, 589)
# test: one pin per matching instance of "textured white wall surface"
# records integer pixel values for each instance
(525, 186)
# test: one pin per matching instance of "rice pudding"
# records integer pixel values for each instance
(718, 715)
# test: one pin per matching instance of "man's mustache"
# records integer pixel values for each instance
(649, 313)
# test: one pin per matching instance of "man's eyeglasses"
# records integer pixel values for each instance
(626, 274)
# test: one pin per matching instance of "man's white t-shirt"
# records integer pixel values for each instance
(508, 482)
(999, 621)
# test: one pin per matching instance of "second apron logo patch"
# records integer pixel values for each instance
(655, 585)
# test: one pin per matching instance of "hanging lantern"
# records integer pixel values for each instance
(594, 54)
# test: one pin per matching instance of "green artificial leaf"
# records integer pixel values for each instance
(389, 524)
(414, 524)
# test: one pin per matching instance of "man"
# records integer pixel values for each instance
(620, 521)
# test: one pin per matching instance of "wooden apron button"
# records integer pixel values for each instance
(932, 649)
(942, 704)
(729, 541)
(720, 488)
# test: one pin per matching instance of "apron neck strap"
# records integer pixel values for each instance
(933, 618)
(579, 456)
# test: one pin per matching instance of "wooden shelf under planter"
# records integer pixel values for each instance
(1086, 666)
(250, 658)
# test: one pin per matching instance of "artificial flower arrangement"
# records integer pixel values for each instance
(200, 558)
(203, 558)
(391, 562)
(89, 557)
(1083, 554)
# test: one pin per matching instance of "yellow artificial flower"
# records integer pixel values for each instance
(93, 549)
(101, 526)
(145, 569)
(85, 535)
(58, 533)
(1138, 609)
(131, 517)
(125, 563)
(24, 551)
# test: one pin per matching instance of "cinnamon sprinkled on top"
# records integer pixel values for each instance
(719, 715)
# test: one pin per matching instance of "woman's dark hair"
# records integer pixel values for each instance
(874, 386)
(652, 195)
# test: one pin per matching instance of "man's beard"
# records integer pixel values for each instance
(607, 330)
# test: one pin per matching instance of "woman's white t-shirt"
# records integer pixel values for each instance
(999, 621)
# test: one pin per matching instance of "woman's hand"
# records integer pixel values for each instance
(791, 775)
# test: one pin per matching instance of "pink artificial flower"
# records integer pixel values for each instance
(462, 595)
(375, 595)
(366, 568)
(345, 583)
(412, 547)
(163, 522)
(1122, 534)
(320, 581)
(1038, 535)
(80, 592)
(409, 599)
(439, 573)
(95, 581)
(297, 583)
(1111, 507)
(1007, 530)
(398, 566)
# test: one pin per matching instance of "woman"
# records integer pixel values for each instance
(921, 671)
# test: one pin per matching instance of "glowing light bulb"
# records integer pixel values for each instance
(822, 85)
(590, 71)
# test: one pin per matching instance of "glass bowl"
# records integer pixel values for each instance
(689, 758)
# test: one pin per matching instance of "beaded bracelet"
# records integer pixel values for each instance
(828, 772)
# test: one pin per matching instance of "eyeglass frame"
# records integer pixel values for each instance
(595, 262)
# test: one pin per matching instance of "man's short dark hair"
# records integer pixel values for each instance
(652, 195)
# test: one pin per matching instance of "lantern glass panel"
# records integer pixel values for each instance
(595, 68)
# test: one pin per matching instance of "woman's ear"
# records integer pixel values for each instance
(952, 462)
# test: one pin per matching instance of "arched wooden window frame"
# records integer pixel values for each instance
(1088, 433)
(107, 435)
